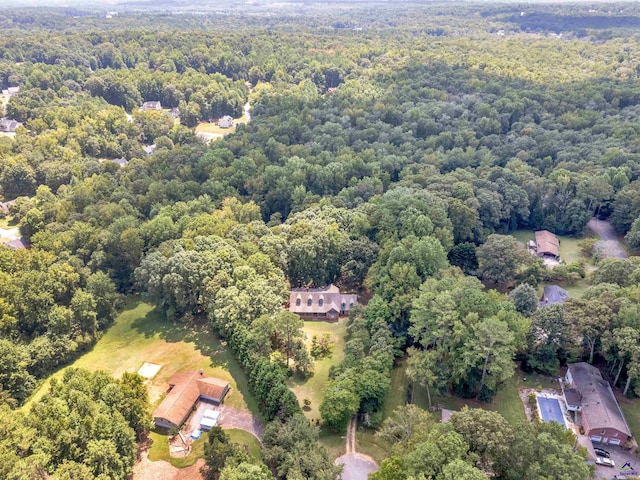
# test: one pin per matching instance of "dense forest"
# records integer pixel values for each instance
(392, 155)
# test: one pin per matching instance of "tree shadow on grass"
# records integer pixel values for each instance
(297, 379)
(198, 332)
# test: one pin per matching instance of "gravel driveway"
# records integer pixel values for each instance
(609, 245)
(356, 466)
(229, 418)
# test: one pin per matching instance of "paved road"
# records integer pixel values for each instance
(357, 466)
(609, 245)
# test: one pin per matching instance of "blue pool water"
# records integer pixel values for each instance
(550, 410)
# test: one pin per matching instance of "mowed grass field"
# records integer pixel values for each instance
(506, 402)
(569, 252)
(159, 449)
(313, 387)
(569, 249)
(206, 127)
(141, 334)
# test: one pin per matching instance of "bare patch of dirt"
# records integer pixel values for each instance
(145, 469)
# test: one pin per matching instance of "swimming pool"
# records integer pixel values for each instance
(550, 410)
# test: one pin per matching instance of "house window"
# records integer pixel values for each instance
(320, 302)
(602, 432)
(297, 302)
(309, 302)
(343, 306)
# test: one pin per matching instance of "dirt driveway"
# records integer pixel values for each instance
(145, 469)
(609, 245)
(357, 466)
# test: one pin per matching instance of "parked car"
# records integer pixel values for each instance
(602, 453)
(605, 462)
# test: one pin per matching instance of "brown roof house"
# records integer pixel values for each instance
(185, 389)
(321, 303)
(547, 245)
(591, 396)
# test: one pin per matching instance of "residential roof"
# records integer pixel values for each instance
(320, 300)
(185, 391)
(8, 125)
(572, 396)
(547, 243)
(225, 122)
(553, 294)
(5, 205)
(151, 106)
(17, 244)
(599, 405)
(120, 161)
(149, 149)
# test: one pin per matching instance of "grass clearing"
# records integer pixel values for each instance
(8, 223)
(335, 443)
(206, 127)
(159, 447)
(254, 449)
(141, 334)
(314, 386)
(569, 248)
(631, 410)
(368, 444)
(506, 402)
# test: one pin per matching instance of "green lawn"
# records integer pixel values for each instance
(368, 444)
(206, 127)
(159, 448)
(314, 386)
(631, 410)
(506, 402)
(254, 449)
(576, 290)
(8, 222)
(569, 249)
(141, 334)
(333, 442)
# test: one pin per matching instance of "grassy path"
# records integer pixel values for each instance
(314, 386)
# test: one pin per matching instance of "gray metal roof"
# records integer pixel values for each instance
(553, 294)
(599, 404)
(307, 301)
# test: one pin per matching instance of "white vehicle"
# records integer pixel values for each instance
(209, 420)
(606, 462)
